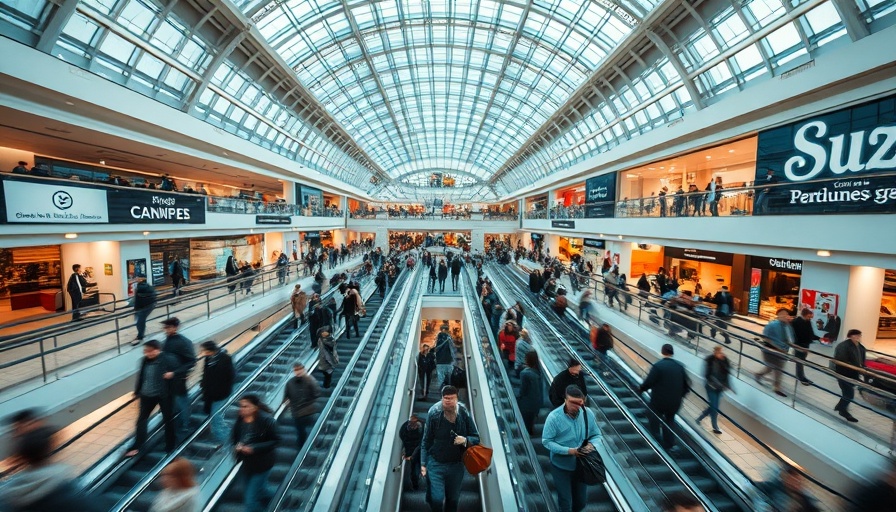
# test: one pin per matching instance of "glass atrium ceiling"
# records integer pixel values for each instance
(440, 84)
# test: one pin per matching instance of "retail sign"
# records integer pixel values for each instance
(52, 203)
(594, 243)
(600, 196)
(830, 163)
(107, 269)
(722, 258)
(563, 224)
(273, 219)
(755, 295)
(536, 236)
(785, 265)
(136, 206)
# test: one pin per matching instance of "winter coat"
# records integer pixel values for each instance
(507, 343)
(443, 272)
(217, 378)
(716, 372)
(328, 358)
(176, 500)
(169, 364)
(182, 349)
(669, 383)
(299, 301)
(531, 391)
(557, 393)
(426, 363)
(302, 393)
(263, 439)
(144, 296)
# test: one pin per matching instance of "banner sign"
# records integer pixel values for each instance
(594, 243)
(722, 258)
(600, 196)
(755, 297)
(847, 149)
(792, 266)
(564, 224)
(273, 219)
(141, 206)
(52, 203)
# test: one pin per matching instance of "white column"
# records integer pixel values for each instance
(477, 240)
(289, 192)
(866, 286)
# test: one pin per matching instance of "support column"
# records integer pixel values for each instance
(477, 240)
(866, 288)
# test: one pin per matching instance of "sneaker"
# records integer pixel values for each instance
(780, 393)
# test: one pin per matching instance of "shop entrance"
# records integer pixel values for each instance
(778, 281)
(701, 272)
(30, 282)
(570, 248)
(886, 326)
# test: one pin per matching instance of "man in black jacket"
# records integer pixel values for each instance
(455, 271)
(572, 375)
(411, 435)
(444, 356)
(724, 302)
(76, 287)
(302, 393)
(804, 335)
(182, 349)
(144, 303)
(217, 384)
(154, 388)
(852, 352)
(669, 383)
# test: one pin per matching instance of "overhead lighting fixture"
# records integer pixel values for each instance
(823, 253)
(69, 103)
(708, 157)
(731, 151)
(102, 162)
(620, 237)
(145, 233)
(71, 236)
(601, 235)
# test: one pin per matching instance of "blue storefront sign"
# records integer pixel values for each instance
(600, 196)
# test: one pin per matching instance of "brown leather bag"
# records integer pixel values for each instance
(477, 458)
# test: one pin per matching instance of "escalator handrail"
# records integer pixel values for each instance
(671, 464)
(125, 501)
(284, 487)
(517, 416)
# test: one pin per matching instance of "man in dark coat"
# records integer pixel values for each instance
(852, 352)
(804, 335)
(572, 375)
(443, 275)
(144, 303)
(154, 388)
(724, 302)
(181, 348)
(76, 287)
(217, 384)
(302, 392)
(411, 435)
(320, 318)
(669, 383)
(455, 272)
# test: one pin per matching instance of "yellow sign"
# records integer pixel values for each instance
(107, 269)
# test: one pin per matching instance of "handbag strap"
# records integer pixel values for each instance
(585, 417)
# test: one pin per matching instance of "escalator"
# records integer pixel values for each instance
(623, 415)
(115, 481)
(303, 468)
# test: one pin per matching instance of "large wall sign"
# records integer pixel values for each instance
(53, 203)
(722, 258)
(782, 264)
(600, 196)
(136, 206)
(846, 150)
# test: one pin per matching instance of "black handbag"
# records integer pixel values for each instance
(590, 466)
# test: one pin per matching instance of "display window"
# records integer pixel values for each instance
(886, 326)
(645, 259)
(208, 256)
(570, 248)
(430, 328)
(703, 273)
(30, 277)
(774, 284)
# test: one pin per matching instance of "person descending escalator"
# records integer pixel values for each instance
(411, 435)
(328, 358)
(254, 438)
(571, 375)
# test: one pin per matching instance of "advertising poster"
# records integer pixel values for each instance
(136, 271)
(600, 196)
(832, 163)
(755, 297)
(135, 206)
(52, 203)
(821, 304)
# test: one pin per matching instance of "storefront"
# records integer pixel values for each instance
(162, 253)
(774, 284)
(31, 277)
(593, 253)
(699, 271)
(886, 327)
(537, 207)
(645, 259)
(496, 240)
(570, 248)
(537, 242)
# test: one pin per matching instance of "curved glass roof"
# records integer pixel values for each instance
(443, 85)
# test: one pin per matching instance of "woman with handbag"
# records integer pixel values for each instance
(570, 435)
(328, 358)
(716, 373)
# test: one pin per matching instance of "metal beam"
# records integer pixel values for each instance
(235, 39)
(855, 24)
(686, 80)
(58, 20)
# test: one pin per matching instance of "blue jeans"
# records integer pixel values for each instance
(182, 414)
(219, 430)
(445, 482)
(443, 376)
(571, 493)
(141, 315)
(713, 396)
(256, 494)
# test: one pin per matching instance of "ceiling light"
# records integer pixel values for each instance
(652, 168)
(145, 233)
(708, 157)
(663, 167)
(821, 252)
(71, 236)
(731, 151)
(69, 103)
(620, 237)
(601, 235)
(102, 162)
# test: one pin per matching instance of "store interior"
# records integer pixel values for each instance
(30, 282)
(429, 329)
(570, 247)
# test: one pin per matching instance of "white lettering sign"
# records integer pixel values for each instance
(836, 154)
(51, 203)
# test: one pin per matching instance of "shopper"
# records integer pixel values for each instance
(443, 275)
(507, 343)
(351, 311)
(668, 383)
(523, 347)
(851, 352)
(182, 349)
(586, 305)
(602, 341)
(321, 318)
(444, 356)
(144, 302)
(716, 373)
(232, 271)
(328, 357)
(433, 276)
(456, 265)
(282, 268)
(302, 393)
(426, 364)
(531, 398)
(778, 336)
(155, 389)
(298, 300)
(724, 302)
(76, 288)
(788, 492)
(572, 375)
(176, 271)
(449, 430)
(804, 336)
(565, 438)
(218, 376)
(254, 438)
(411, 435)
(41, 485)
(179, 490)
